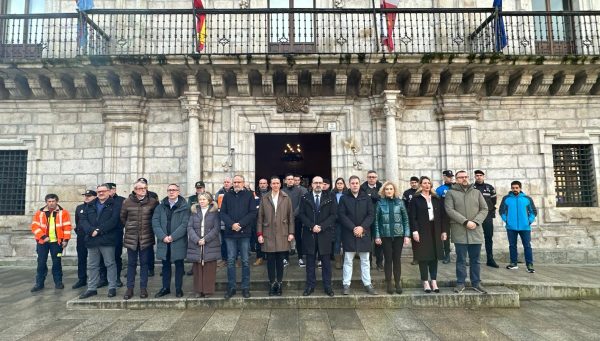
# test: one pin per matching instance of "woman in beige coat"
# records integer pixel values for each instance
(275, 231)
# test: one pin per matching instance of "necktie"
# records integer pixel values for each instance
(317, 201)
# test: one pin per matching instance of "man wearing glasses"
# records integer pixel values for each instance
(371, 188)
(238, 213)
(467, 210)
(136, 215)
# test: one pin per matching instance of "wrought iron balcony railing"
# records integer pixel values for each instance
(297, 31)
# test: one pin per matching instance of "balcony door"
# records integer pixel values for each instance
(291, 33)
(554, 34)
(21, 38)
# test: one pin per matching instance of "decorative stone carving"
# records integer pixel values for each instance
(430, 83)
(338, 3)
(150, 83)
(464, 107)
(583, 83)
(541, 83)
(496, 83)
(243, 85)
(341, 81)
(561, 84)
(292, 104)
(218, 84)
(518, 84)
(472, 82)
(244, 4)
(292, 84)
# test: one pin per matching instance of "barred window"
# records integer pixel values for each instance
(574, 175)
(13, 178)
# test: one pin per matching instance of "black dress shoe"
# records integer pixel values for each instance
(79, 284)
(119, 283)
(88, 293)
(230, 293)
(273, 289)
(37, 288)
(59, 286)
(112, 293)
(279, 288)
(308, 291)
(492, 263)
(179, 293)
(246, 293)
(162, 292)
(329, 292)
(189, 273)
(102, 284)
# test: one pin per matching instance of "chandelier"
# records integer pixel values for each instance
(292, 153)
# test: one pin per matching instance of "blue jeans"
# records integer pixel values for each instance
(132, 257)
(512, 245)
(474, 251)
(235, 245)
(42, 259)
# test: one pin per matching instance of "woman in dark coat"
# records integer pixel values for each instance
(428, 224)
(204, 246)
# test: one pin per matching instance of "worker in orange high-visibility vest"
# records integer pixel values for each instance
(51, 226)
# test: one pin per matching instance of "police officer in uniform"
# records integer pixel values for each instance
(489, 194)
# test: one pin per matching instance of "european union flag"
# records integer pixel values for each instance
(500, 31)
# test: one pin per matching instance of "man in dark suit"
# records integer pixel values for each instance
(317, 215)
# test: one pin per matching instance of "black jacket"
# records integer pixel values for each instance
(352, 212)
(239, 208)
(325, 217)
(106, 223)
(430, 245)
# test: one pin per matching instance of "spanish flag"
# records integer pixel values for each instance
(387, 38)
(200, 25)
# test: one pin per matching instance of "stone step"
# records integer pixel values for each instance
(498, 297)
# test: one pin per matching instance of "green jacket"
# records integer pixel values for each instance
(461, 206)
(391, 219)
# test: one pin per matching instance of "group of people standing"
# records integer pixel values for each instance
(363, 220)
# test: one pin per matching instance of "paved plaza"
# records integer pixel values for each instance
(44, 316)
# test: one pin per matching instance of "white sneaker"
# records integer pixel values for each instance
(301, 263)
(319, 265)
(285, 263)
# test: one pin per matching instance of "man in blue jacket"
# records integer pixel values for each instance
(518, 212)
(238, 213)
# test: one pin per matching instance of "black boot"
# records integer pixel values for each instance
(273, 289)
(390, 288)
(279, 288)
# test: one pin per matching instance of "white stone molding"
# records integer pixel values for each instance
(561, 84)
(218, 83)
(496, 83)
(519, 83)
(149, 82)
(341, 81)
(430, 82)
(583, 83)
(292, 84)
(413, 83)
(474, 82)
(316, 79)
(540, 83)
(243, 84)
(62, 90)
(450, 81)
(547, 138)
(34, 145)
(464, 107)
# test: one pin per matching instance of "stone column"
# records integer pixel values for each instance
(189, 102)
(392, 104)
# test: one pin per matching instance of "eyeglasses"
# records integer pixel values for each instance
(140, 188)
(98, 192)
(172, 190)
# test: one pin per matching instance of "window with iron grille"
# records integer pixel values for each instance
(13, 178)
(574, 175)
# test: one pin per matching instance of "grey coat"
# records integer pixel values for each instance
(461, 206)
(212, 227)
(179, 221)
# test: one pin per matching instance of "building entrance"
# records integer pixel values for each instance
(306, 154)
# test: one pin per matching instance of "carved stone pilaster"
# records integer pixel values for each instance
(267, 84)
(519, 83)
(218, 84)
(341, 82)
(243, 84)
(496, 83)
(561, 84)
(584, 81)
(472, 82)
(292, 84)
(540, 83)
(430, 83)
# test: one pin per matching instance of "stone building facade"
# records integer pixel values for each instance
(174, 118)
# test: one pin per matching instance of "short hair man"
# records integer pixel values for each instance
(295, 192)
(318, 213)
(466, 211)
(263, 188)
(112, 191)
(489, 194)
(407, 197)
(100, 224)
(51, 226)
(518, 212)
(448, 178)
(238, 213)
(200, 188)
(88, 196)
(371, 187)
(356, 214)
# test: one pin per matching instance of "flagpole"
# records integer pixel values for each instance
(377, 35)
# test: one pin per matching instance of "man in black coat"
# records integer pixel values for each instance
(118, 240)
(356, 214)
(82, 253)
(238, 213)
(407, 197)
(371, 188)
(99, 223)
(317, 216)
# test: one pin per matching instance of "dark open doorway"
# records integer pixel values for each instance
(306, 154)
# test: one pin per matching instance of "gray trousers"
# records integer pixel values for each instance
(93, 263)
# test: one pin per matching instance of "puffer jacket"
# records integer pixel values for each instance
(391, 219)
(518, 211)
(212, 227)
(136, 216)
(463, 205)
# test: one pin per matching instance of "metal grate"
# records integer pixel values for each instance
(574, 175)
(13, 178)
